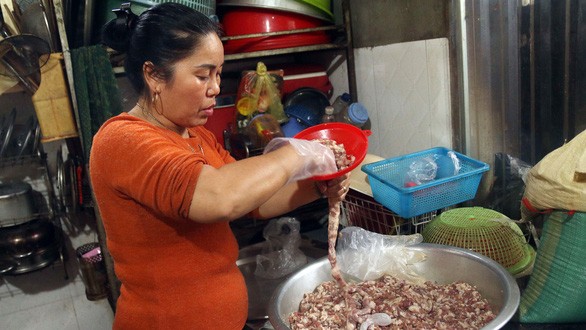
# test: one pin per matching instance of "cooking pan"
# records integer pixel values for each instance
(16, 202)
(24, 239)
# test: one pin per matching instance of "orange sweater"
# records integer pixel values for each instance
(175, 273)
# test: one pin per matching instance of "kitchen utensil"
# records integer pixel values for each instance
(27, 52)
(244, 21)
(34, 21)
(21, 57)
(323, 5)
(24, 239)
(24, 146)
(484, 231)
(297, 76)
(36, 139)
(263, 128)
(6, 132)
(293, 126)
(38, 258)
(387, 180)
(308, 8)
(307, 104)
(17, 203)
(5, 31)
(443, 265)
(355, 142)
(307, 116)
(207, 7)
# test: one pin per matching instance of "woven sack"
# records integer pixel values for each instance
(556, 291)
(558, 181)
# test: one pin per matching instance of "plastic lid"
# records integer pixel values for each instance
(329, 110)
(345, 97)
(357, 113)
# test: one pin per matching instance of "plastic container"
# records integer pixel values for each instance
(297, 76)
(292, 127)
(328, 116)
(207, 7)
(387, 180)
(341, 102)
(355, 142)
(355, 114)
(263, 128)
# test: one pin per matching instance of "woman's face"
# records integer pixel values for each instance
(189, 97)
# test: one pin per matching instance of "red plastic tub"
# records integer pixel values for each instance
(243, 20)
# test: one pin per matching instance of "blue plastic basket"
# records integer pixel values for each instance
(387, 180)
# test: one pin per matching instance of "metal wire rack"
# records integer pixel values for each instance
(363, 211)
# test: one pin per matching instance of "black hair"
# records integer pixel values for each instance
(163, 34)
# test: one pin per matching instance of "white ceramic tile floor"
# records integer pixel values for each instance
(45, 299)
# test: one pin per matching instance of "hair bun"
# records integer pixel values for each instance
(116, 33)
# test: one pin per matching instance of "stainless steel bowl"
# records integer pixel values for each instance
(443, 265)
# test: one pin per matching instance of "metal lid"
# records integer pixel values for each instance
(12, 189)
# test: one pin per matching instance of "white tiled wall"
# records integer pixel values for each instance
(405, 88)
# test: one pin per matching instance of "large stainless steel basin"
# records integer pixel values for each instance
(443, 265)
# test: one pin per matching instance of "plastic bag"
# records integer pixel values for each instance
(557, 181)
(432, 167)
(281, 254)
(509, 184)
(363, 255)
(258, 93)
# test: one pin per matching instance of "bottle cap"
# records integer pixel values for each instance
(345, 97)
(357, 113)
(329, 110)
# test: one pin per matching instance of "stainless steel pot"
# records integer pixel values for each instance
(16, 202)
(24, 239)
(260, 289)
(443, 265)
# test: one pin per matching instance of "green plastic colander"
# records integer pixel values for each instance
(484, 231)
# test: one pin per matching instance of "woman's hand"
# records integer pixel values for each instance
(335, 188)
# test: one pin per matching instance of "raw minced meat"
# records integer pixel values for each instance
(411, 306)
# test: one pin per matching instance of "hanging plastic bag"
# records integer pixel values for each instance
(281, 254)
(258, 93)
(363, 255)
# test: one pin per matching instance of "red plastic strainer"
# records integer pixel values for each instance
(354, 139)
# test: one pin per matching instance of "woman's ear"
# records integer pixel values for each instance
(151, 78)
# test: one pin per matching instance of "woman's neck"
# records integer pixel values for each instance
(156, 119)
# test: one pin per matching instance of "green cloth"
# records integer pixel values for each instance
(96, 89)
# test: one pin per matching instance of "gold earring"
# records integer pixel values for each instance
(156, 98)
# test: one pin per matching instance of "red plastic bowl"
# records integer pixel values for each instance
(354, 139)
(244, 20)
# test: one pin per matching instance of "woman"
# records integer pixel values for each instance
(166, 189)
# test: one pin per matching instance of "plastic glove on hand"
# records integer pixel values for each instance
(317, 158)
